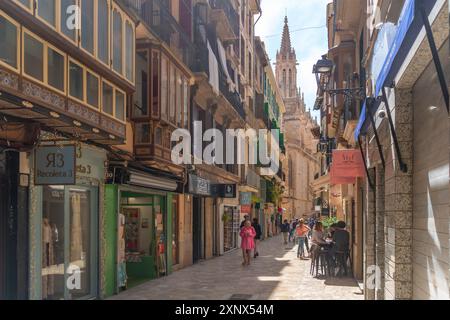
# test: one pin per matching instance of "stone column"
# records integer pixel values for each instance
(398, 189)
(369, 256)
(380, 228)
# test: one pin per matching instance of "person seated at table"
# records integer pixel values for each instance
(317, 235)
(341, 243)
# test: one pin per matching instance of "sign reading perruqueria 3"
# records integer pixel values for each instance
(55, 165)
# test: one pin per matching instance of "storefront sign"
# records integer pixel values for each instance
(246, 198)
(226, 191)
(55, 165)
(199, 186)
(246, 209)
(347, 165)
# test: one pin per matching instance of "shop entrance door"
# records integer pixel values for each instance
(197, 222)
(69, 242)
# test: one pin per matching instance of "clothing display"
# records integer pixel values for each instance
(76, 236)
(48, 281)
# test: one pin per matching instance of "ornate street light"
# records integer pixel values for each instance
(323, 69)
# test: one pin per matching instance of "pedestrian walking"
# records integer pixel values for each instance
(248, 235)
(246, 218)
(292, 233)
(302, 231)
(285, 228)
(258, 230)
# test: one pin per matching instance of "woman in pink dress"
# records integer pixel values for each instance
(248, 235)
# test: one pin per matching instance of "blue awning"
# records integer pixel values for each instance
(361, 122)
(409, 27)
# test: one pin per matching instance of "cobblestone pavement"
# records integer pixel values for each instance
(276, 275)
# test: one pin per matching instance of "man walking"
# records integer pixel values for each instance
(285, 228)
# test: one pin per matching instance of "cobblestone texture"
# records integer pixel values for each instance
(276, 275)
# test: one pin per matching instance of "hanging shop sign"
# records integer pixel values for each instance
(246, 198)
(199, 186)
(55, 165)
(246, 209)
(347, 166)
(226, 191)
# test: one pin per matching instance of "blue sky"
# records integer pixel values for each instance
(307, 20)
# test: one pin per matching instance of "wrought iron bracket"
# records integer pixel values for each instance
(403, 166)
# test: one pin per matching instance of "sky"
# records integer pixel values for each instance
(307, 23)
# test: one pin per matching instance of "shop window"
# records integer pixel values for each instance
(92, 90)
(175, 233)
(117, 42)
(9, 42)
(70, 33)
(33, 57)
(68, 239)
(103, 31)
(155, 84)
(108, 99)
(164, 87)
(87, 25)
(46, 11)
(76, 80)
(129, 51)
(56, 66)
(120, 105)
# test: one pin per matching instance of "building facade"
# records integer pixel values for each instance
(300, 142)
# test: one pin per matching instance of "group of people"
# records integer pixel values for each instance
(301, 232)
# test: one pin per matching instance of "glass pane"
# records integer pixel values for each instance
(185, 104)
(68, 20)
(87, 25)
(103, 31)
(155, 84)
(117, 42)
(164, 88)
(172, 93)
(142, 85)
(92, 89)
(53, 243)
(179, 103)
(56, 69)
(76, 81)
(26, 3)
(47, 11)
(8, 42)
(80, 240)
(129, 57)
(107, 100)
(33, 57)
(158, 136)
(120, 105)
(143, 133)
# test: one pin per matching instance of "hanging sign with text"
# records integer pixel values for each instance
(55, 165)
(346, 167)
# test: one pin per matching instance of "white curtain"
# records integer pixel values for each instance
(213, 70)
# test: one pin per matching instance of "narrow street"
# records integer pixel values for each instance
(276, 275)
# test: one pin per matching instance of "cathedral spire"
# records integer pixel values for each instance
(286, 47)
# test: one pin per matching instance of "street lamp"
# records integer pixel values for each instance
(323, 69)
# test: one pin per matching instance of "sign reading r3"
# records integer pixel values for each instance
(55, 160)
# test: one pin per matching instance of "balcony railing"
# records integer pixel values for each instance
(230, 12)
(156, 14)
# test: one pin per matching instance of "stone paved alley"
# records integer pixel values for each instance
(276, 275)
